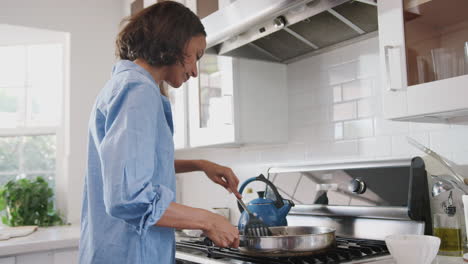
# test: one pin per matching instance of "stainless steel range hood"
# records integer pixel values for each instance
(287, 30)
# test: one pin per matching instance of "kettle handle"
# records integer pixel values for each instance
(279, 200)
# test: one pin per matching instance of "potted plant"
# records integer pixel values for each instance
(28, 202)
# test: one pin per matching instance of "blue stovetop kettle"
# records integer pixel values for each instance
(272, 212)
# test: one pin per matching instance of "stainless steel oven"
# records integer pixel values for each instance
(363, 201)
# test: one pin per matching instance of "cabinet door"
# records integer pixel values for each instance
(8, 260)
(178, 99)
(68, 255)
(211, 105)
(424, 51)
(436, 33)
(392, 54)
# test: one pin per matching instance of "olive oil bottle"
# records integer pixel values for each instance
(447, 228)
(450, 241)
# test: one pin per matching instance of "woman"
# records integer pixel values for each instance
(129, 213)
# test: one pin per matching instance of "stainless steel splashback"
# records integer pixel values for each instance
(389, 194)
(286, 30)
(366, 228)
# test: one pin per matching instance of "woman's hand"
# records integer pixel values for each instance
(221, 175)
(221, 232)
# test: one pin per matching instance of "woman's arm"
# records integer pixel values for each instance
(182, 166)
(221, 175)
(216, 227)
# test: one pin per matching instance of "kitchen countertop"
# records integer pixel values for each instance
(44, 239)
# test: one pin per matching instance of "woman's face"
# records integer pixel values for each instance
(177, 74)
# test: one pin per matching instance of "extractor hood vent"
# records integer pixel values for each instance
(291, 31)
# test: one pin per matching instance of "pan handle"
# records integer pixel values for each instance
(208, 242)
(242, 243)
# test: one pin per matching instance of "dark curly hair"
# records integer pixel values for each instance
(158, 34)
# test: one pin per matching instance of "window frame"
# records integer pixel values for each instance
(60, 130)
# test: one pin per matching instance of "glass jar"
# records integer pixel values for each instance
(448, 228)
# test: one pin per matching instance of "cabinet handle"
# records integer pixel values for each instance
(390, 87)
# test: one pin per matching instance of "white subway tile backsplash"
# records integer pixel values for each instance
(375, 146)
(303, 117)
(367, 66)
(401, 147)
(342, 73)
(303, 100)
(368, 46)
(384, 127)
(324, 95)
(459, 137)
(358, 128)
(278, 154)
(325, 131)
(365, 108)
(448, 141)
(418, 127)
(460, 160)
(304, 134)
(344, 111)
(329, 59)
(440, 142)
(344, 148)
(326, 150)
(337, 94)
(339, 131)
(357, 89)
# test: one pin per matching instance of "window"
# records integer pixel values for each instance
(31, 84)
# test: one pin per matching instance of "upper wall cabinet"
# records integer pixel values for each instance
(237, 101)
(424, 59)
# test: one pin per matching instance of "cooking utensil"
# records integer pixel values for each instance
(438, 158)
(254, 226)
(289, 241)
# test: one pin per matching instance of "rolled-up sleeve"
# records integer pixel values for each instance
(128, 158)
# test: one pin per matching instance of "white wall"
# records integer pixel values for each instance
(93, 26)
(334, 115)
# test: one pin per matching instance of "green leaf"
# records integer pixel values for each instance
(2, 200)
(28, 203)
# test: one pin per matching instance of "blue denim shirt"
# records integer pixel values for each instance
(130, 178)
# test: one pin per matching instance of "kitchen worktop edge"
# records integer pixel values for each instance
(44, 239)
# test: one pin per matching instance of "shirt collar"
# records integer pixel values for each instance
(126, 65)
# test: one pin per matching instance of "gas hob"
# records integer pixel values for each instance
(347, 250)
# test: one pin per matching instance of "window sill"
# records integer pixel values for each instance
(44, 239)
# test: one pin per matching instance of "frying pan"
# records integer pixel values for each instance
(289, 241)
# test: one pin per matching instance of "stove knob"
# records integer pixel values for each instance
(357, 186)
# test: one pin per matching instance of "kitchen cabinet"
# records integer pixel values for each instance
(424, 59)
(58, 256)
(237, 101)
